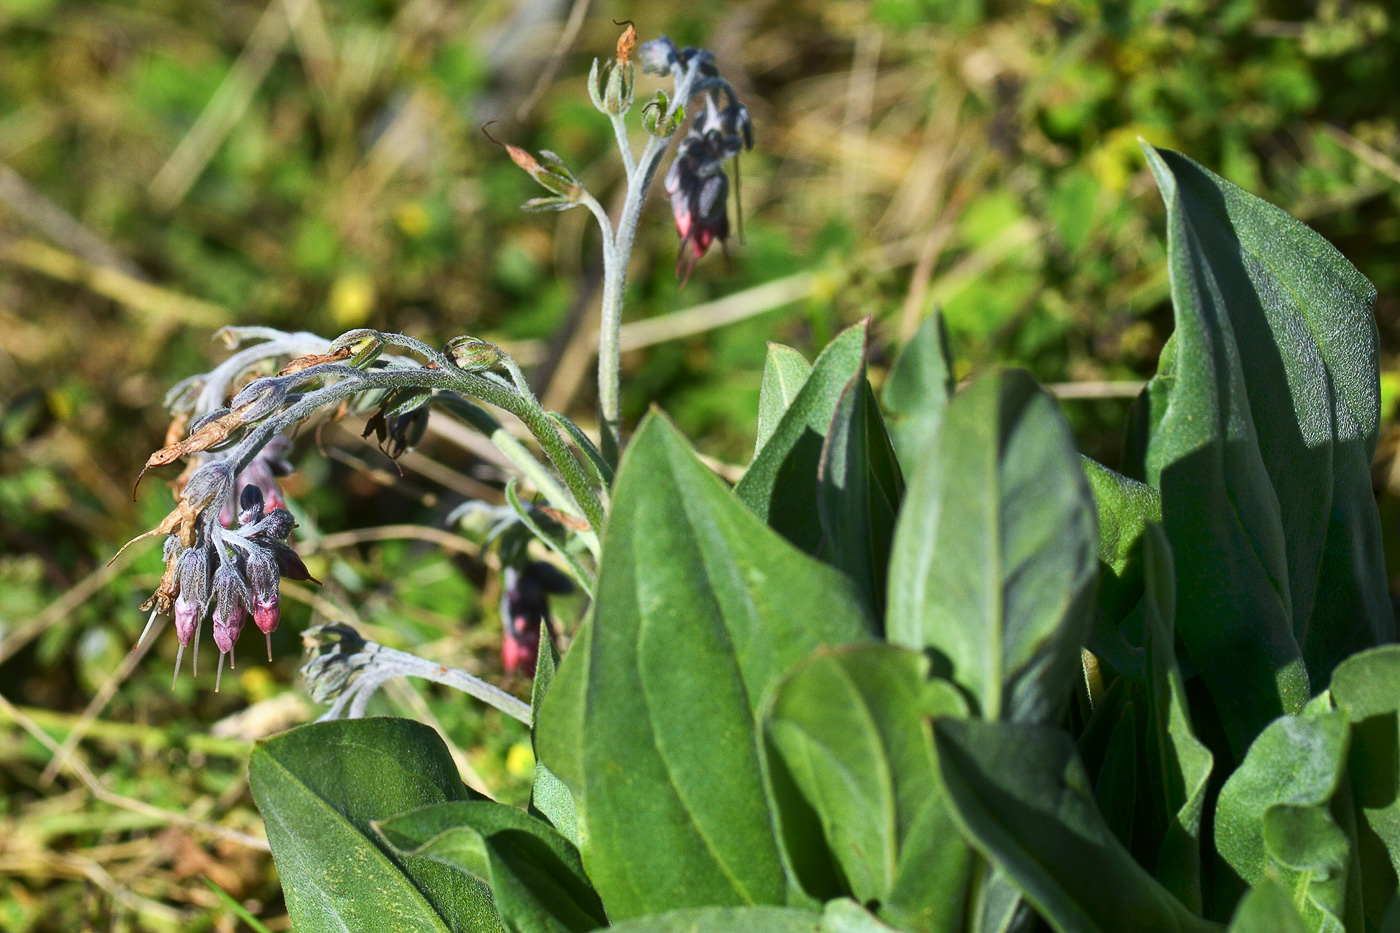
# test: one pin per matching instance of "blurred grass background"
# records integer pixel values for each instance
(169, 166)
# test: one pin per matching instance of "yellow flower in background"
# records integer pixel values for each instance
(352, 299)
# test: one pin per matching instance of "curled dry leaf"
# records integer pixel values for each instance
(315, 359)
(564, 518)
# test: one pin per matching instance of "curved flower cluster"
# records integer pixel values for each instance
(696, 183)
(230, 572)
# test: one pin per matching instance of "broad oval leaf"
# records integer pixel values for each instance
(851, 725)
(1263, 450)
(652, 718)
(534, 873)
(838, 916)
(1367, 687)
(1022, 797)
(784, 373)
(780, 486)
(996, 550)
(1183, 763)
(859, 487)
(549, 796)
(1267, 908)
(1274, 815)
(321, 786)
(1124, 508)
(917, 390)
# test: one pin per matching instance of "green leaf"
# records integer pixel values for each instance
(1124, 508)
(1274, 816)
(534, 873)
(1263, 451)
(839, 916)
(1116, 786)
(996, 550)
(1267, 908)
(549, 796)
(1183, 764)
(1022, 797)
(652, 719)
(784, 372)
(1367, 687)
(917, 390)
(780, 486)
(239, 911)
(851, 725)
(858, 491)
(320, 787)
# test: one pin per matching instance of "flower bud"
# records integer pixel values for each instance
(474, 354)
(658, 56)
(231, 612)
(655, 120)
(259, 398)
(208, 482)
(611, 86)
(194, 573)
(186, 619)
(290, 563)
(365, 346)
(263, 580)
(250, 505)
(276, 524)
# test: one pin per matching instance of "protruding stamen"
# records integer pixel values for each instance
(179, 656)
(269, 647)
(146, 631)
(219, 676)
(194, 661)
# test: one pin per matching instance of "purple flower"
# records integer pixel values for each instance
(525, 611)
(696, 182)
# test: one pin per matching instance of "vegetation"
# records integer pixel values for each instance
(323, 188)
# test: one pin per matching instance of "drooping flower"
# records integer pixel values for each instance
(525, 611)
(697, 184)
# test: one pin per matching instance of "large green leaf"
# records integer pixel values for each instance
(1124, 508)
(1182, 762)
(917, 390)
(858, 491)
(839, 916)
(651, 720)
(781, 483)
(784, 372)
(1263, 450)
(1267, 908)
(1367, 687)
(1022, 797)
(549, 797)
(534, 873)
(1274, 817)
(851, 725)
(996, 550)
(320, 787)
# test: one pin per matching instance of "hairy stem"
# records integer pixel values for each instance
(639, 177)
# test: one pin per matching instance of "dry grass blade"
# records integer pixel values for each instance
(566, 42)
(158, 303)
(59, 225)
(224, 109)
(100, 699)
(95, 787)
(80, 593)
